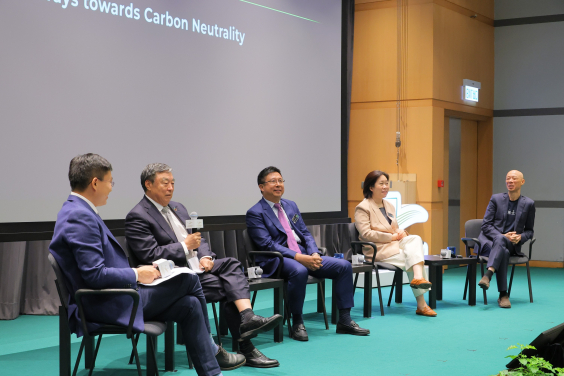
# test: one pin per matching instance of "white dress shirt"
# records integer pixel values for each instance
(96, 211)
(285, 216)
(177, 223)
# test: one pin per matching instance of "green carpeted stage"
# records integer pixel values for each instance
(462, 340)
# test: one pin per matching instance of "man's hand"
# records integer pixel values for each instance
(193, 241)
(310, 262)
(147, 273)
(206, 264)
(509, 236)
(516, 238)
(513, 237)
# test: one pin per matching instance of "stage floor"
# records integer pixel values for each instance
(461, 340)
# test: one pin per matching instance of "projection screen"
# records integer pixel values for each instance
(217, 89)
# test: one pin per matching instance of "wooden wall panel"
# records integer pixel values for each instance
(463, 48)
(485, 165)
(468, 173)
(375, 54)
(483, 7)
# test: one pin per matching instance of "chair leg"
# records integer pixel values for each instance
(287, 313)
(223, 328)
(484, 290)
(530, 287)
(134, 345)
(152, 356)
(84, 339)
(96, 354)
(136, 341)
(398, 276)
(190, 362)
(392, 292)
(379, 292)
(511, 281)
(322, 296)
(254, 298)
(216, 324)
(355, 282)
(466, 282)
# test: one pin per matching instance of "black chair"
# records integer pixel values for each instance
(152, 328)
(376, 265)
(135, 262)
(252, 252)
(472, 229)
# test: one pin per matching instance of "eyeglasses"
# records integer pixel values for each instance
(387, 184)
(112, 183)
(274, 181)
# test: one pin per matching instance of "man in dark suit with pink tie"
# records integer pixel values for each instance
(276, 224)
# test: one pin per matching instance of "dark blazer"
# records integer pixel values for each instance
(91, 258)
(150, 237)
(494, 220)
(265, 230)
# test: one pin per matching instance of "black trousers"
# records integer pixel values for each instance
(226, 282)
(500, 252)
(181, 299)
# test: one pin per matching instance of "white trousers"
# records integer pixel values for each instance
(411, 253)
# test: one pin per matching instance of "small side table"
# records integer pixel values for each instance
(435, 264)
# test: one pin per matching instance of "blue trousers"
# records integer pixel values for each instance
(339, 270)
(500, 252)
(181, 300)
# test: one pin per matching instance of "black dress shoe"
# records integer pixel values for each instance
(299, 333)
(352, 328)
(257, 359)
(258, 324)
(228, 361)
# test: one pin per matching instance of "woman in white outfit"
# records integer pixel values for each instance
(375, 221)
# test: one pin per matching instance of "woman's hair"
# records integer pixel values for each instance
(370, 180)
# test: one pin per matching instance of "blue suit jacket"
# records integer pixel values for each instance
(150, 237)
(494, 221)
(90, 257)
(265, 230)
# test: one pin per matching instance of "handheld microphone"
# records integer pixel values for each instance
(195, 223)
(194, 218)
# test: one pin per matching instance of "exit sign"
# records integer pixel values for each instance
(470, 90)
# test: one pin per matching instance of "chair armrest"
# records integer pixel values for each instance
(322, 251)
(533, 240)
(477, 246)
(356, 242)
(252, 254)
(88, 292)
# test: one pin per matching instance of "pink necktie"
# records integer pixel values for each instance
(292, 243)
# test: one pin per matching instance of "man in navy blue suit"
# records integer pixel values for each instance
(90, 257)
(275, 224)
(508, 223)
(155, 229)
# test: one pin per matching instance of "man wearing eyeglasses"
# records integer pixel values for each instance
(154, 229)
(276, 225)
